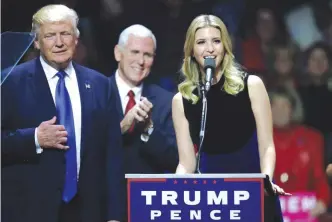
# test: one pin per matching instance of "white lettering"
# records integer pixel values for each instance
(148, 196)
(213, 214)
(240, 195)
(154, 214)
(175, 214)
(308, 203)
(286, 219)
(234, 214)
(283, 204)
(169, 196)
(195, 215)
(195, 201)
(213, 199)
(293, 204)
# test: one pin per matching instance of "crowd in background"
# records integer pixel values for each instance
(288, 46)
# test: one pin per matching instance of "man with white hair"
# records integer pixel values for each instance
(61, 142)
(145, 109)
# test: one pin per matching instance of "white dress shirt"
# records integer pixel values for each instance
(124, 88)
(74, 94)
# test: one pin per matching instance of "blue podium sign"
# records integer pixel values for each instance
(195, 197)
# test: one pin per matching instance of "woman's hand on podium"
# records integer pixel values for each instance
(181, 169)
(279, 191)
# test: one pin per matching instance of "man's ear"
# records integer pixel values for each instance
(36, 44)
(76, 41)
(117, 53)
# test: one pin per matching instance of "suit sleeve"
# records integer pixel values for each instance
(19, 142)
(161, 146)
(116, 182)
(15, 142)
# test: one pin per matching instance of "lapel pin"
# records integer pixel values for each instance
(87, 86)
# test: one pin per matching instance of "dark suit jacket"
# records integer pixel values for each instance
(32, 184)
(159, 154)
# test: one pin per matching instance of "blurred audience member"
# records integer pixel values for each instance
(283, 71)
(315, 91)
(257, 49)
(111, 9)
(283, 75)
(299, 165)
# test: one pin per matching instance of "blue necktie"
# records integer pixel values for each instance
(65, 117)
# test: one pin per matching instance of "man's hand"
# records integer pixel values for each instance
(140, 113)
(50, 135)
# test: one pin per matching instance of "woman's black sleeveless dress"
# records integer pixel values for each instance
(230, 143)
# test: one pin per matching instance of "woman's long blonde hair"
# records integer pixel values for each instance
(233, 76)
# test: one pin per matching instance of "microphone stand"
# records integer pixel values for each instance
(202, 130)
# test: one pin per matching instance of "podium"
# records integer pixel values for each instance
(195, 197)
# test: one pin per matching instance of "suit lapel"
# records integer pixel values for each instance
(148, 93)
(115, 91)
(41, 91)
(86, 94)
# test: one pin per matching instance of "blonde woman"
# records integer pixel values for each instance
(238, 136)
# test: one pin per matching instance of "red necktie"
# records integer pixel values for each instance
(131, 103)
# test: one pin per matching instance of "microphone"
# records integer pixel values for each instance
(209, 67)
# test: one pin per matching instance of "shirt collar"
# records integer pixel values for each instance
(124, 88)
(50, 72)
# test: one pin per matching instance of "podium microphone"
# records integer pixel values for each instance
(209, 67)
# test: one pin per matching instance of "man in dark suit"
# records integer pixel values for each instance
(145, 109)
(61, 144)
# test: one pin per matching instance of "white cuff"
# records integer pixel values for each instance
(145, 136)
(39, 150)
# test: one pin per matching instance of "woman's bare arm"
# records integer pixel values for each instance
(261, 107)
(187, 159)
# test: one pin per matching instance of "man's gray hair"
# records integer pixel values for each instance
(54, 13)
(136, 30)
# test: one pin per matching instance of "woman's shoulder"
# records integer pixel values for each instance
(177, 97)
(254, 83)
(252, 79)
(179, 100)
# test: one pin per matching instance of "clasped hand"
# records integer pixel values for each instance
(140, 113)
(50, 135)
